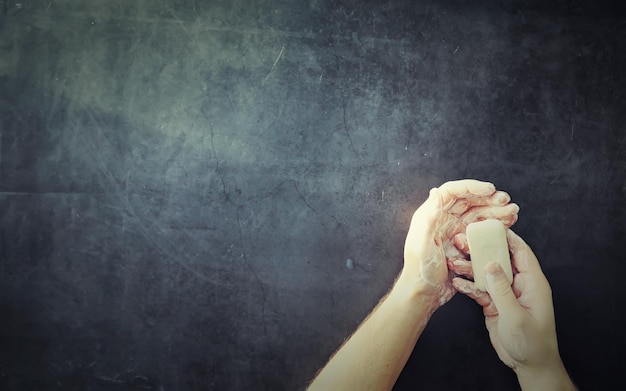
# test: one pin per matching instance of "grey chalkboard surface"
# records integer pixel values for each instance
(183, 183)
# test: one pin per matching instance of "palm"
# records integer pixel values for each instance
(496, 340)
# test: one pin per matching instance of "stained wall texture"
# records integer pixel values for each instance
(183, 182)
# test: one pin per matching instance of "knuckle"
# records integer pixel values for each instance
(501, 287)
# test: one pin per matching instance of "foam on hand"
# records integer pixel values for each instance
(487, 243)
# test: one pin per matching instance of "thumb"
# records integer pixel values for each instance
(500, 290)
(428, 214)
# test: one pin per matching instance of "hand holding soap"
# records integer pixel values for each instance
(487, 243)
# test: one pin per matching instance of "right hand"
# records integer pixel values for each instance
(519, 318)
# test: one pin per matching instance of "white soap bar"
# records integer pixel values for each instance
(487, 243)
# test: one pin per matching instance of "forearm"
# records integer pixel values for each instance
(373, 357)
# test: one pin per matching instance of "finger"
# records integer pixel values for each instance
(469, 288)
(509, 222)
(460, 206)
(424, 223)
(503, 213)
(461, 267)
(499, 289)
(451, 252)
(490, 310)
(530, 282)
(466, 188)
(460, 242)
(520, 285)
(429, 212)
(499, 198)
(523, 258)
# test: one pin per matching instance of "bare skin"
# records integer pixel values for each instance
(519, 318)
(373, 357)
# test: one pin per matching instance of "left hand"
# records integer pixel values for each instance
(446, 213)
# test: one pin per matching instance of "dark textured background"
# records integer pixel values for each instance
(182, 182)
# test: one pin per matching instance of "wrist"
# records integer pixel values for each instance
(548, 377)
(420, 295)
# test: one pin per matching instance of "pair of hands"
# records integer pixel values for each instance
(519, 318)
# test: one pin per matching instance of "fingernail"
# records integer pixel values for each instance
(464, 289)
(461, 287)
(492, 270)
(458, 263)
(503, 198)
(490, 188)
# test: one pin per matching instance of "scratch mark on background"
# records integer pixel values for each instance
(164, 245)
(275, 63)
(345, 121)
(302, 197)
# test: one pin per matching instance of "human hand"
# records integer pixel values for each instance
(519, 318)
(446, 213)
